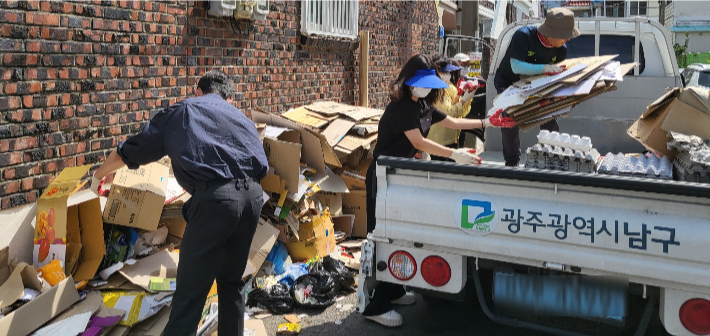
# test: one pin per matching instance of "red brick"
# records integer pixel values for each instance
(25, 143)
(42, 19)
(10, 88)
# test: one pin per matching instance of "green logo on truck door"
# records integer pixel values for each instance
(476, 213)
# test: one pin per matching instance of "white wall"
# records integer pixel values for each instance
(691, 11)
(697, 41)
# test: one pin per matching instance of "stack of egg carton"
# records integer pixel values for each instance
(561, 151)
(692, 163)
(648, 165)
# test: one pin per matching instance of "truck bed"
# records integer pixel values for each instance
(649, 231)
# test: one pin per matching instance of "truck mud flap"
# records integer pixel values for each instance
(641, 329)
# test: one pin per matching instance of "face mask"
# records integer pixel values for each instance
(446, 77)
(463, 72)
(420, 92)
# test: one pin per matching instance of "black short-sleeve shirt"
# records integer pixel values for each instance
(525, 46)
(400, 117)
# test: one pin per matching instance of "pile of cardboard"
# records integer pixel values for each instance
(682, 110)
(536, 100)
(77, 262)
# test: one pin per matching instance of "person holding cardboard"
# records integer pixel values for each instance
(218, 158)
(403, 129)
(534, 51)
(454, 105)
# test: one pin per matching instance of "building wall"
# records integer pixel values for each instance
(78, 77)
(694, 16)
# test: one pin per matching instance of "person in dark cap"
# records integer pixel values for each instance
(534, 51)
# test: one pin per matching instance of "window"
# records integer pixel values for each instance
(638, 8)
(704, 79)
(583, 46)
(336, 18)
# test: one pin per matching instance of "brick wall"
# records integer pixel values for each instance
(78, 77)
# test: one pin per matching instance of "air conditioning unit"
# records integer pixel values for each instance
(251, 10)
(222, 7)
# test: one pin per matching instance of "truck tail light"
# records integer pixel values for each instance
(436, 271)
(402, 265)
(695, 316)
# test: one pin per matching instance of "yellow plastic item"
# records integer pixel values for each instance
(53, 272)
(288, 329)
(211, 298)
(124, 300)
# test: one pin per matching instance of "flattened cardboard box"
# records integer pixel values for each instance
(284, 154)
(315, 150)
(41, 309)
(679, 110)
(69, 226)
(355, 203)
(137, 197)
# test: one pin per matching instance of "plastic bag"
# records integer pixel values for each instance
(338, 270)
(315, 289)
(292, 272)
(277, 257)
(277, 298)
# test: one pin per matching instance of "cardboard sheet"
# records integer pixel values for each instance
(334, 183)
(330, 108)
(362, 113)
(583, 88)
(303, 116)
(285, 157)
(592, 63)
(541, 83)
(337, 130)
(351, 142)
(161, 264)
(256, 325)
(262, 243)
(315, 150)
(37, 312)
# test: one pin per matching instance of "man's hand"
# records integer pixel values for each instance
(96, 185)
(465, 155)
(496, 120)
(552, 69)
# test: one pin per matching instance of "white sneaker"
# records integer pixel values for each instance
(388, 319)
(407, 299)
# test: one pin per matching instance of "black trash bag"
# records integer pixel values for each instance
(317, 289)
(277, 299)
(338, 270)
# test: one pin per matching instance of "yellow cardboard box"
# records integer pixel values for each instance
(317, 238)
(69, 226)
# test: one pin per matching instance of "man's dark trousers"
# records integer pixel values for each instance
(511, 139)
(221, 217)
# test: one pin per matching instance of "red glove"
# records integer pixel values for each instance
(102, 191)
(464, 86)
(498, 121)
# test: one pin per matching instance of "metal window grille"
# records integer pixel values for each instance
(337, 18)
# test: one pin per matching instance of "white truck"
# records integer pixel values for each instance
(441, 225)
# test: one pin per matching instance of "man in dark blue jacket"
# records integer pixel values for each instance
(534, 51)
(218, 158)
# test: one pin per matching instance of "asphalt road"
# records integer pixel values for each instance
(452, 319)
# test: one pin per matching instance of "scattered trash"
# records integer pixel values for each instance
(276, 298)
(338, 322)
(292, 318)
(288, 329)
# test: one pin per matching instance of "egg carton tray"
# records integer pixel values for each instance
(565, 140)
(683, 142)
(638, 166)
(558, 158)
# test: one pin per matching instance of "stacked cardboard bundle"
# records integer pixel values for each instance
(534, 101)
